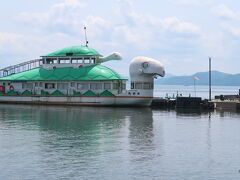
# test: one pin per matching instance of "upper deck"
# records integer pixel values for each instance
(74, 56)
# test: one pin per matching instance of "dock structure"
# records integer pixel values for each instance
(163, 103)
(182, 103)
(188, 102)
(227, 102)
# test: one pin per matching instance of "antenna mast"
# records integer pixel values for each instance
(85, 29)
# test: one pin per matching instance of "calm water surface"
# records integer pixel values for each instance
(55, 142)
(201, 91)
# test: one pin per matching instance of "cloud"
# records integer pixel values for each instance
(223, 12)
(229, 20)
(191, 2)
(61, 17)
(126, 30)
(10, 41)
(234, 31)
(157, 34)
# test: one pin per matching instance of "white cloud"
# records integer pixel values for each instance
(191, 2)
(128, 31)
(234, 31)
(61, 17)
(10, 41)
(176, 25)
(223, 12)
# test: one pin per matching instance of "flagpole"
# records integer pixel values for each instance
(210, 79)
(194, 80)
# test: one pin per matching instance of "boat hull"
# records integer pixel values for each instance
(79, 100)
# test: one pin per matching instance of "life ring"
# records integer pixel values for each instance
(11, 88)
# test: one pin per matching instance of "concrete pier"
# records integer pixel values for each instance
(227, 104)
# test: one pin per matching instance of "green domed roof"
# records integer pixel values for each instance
(74, 51)
(94, 72)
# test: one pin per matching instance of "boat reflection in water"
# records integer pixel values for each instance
(59, 142)
(65, 139)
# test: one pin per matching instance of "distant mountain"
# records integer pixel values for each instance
(167, 75)
(218, 79)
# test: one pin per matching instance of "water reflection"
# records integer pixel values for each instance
(228, 113)
(77, 138)
(197, 112)
(141, 135)
(60, 142)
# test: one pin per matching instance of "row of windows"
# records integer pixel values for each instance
(72, 61)
(140, 85)
(81, 86)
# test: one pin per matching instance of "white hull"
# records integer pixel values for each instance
(79, 100)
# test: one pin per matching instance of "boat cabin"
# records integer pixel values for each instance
(75, 70)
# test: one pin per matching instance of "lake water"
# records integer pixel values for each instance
(57, 142)
(201, 91)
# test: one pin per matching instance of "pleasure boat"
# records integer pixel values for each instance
(75, 76)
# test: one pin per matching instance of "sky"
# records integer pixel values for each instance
(182, 34)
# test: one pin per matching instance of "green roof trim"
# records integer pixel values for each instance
(87, 73)
(74, 51)
(89, 93)
(57, 93)
(106, 93)
(12, 93)
(27, 93)
(43, 93)
(75, 93)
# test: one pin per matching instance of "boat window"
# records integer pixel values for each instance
(49, 85)
(27, 85)
(36, 84)
(123, 85)
(107, 86)
(92, 60)
(115, 85)
(51, 60)
(86, 61)
(146, 85)
(62, 85)
(72, 84)
(55, 61)
(95, 86)
(138, 85)
(64, 61)
(40, 84)
(83, 86)
(77, 61)
(132, 85)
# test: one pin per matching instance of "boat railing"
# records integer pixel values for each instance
(26, 66)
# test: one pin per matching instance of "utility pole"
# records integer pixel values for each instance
(210, 79)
